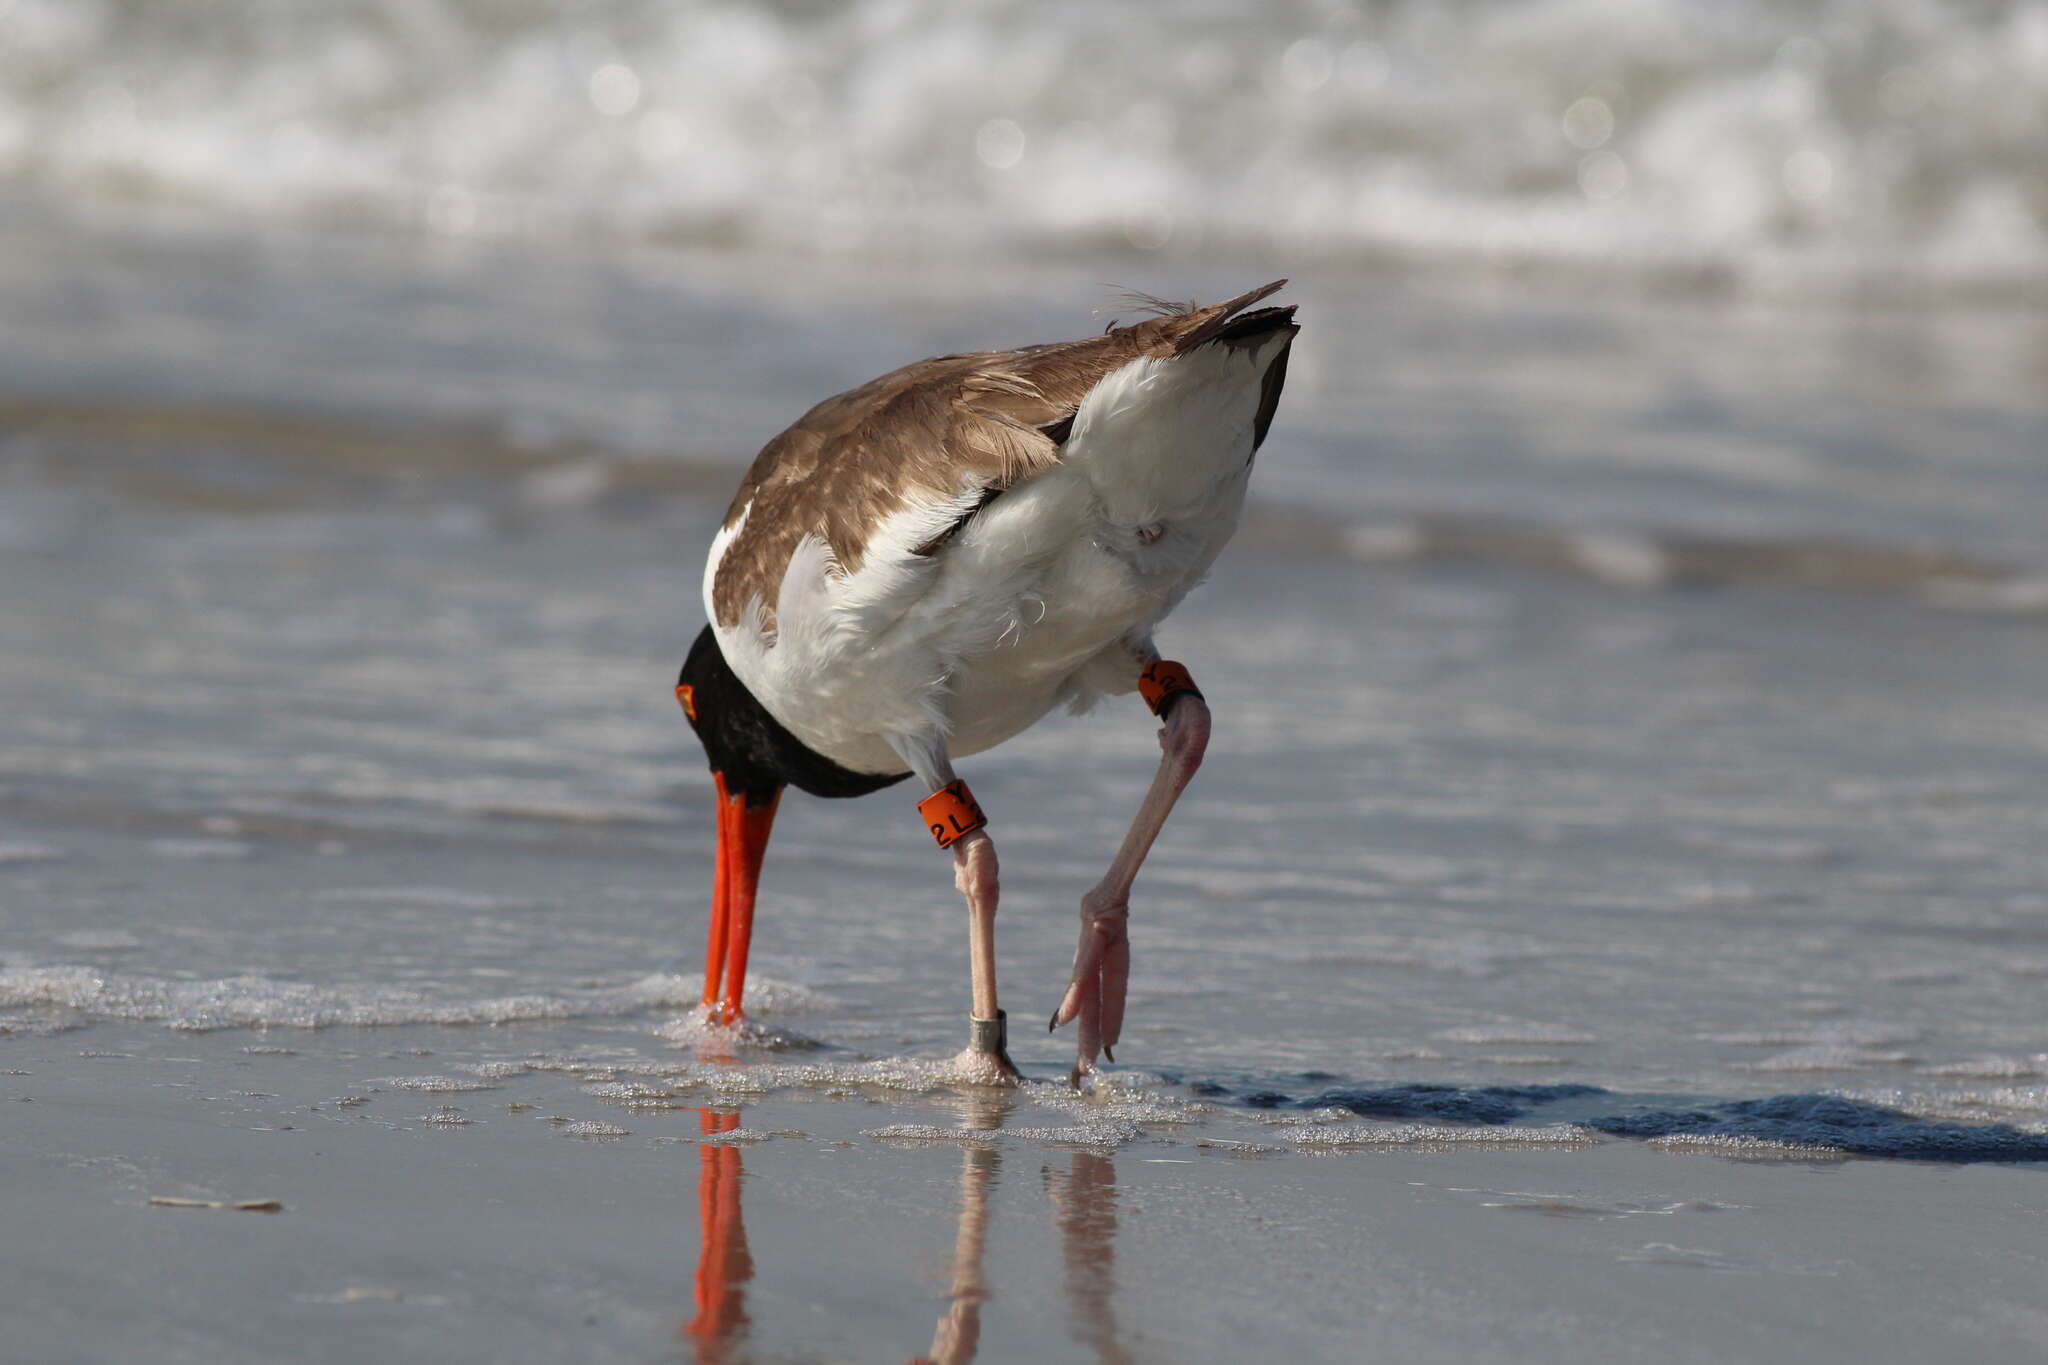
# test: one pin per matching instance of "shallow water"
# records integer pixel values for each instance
(1600, 753)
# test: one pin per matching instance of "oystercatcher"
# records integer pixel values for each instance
(922, 567)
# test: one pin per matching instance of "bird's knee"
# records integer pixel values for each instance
(975, 870)
(1105, 906)
(1186, 737)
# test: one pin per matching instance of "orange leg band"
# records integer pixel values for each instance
(1163, 680)
(951, 813)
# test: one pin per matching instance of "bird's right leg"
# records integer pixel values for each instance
(957, 824)
(1102, 962)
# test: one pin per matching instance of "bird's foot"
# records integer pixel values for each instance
(712, 1014)
(986, 1059)
(1102, 972)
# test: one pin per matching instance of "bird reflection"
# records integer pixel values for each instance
(1084, 1210)
(723, 1263)
(958, 1335)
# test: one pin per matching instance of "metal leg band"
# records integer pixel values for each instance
(990, 1035)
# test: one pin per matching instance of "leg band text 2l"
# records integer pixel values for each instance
(1164, 680)
(951, 813)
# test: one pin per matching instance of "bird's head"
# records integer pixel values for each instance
(751, 753)
(738, 735)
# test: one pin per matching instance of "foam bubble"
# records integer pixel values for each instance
(1100, 1134)
(927, 1133)
(1427, 1134)
(261, 1002)
(31, 1026)
(435, 1085)
(1991, 1068)
(1826, 1057)
(591, 1128)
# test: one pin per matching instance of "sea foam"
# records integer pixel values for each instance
(1815, 144)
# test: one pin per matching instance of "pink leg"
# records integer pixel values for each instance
(975, 873)
(1102, 963)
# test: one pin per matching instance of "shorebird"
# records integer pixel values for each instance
(922, 567)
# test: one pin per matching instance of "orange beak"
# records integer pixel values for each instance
(742, 844)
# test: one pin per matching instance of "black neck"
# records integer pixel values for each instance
(756, 752)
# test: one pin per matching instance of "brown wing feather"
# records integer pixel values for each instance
(923, 434)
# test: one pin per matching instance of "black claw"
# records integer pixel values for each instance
(1054, 1026)
(1109, 1052)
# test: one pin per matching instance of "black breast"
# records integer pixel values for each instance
(755, 751)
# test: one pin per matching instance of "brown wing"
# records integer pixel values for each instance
(927, 433)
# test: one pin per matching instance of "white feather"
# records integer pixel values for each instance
(1048, 596)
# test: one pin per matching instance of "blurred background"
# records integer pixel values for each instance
(1826, 148)
(1766, 269)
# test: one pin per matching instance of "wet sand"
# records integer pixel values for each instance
(531, 1221)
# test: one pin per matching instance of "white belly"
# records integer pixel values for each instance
(1048, 597)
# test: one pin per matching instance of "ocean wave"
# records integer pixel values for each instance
(1821, 142)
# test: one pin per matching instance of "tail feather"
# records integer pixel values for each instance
(1217, 317)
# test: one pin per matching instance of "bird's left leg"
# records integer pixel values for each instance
(957, 824)
(1102, 962)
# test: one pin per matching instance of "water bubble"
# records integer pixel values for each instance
(999, 143)
(1603, 175)
(590, 1128)
(1588, 123)
(1306, 65)
(614, 90)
